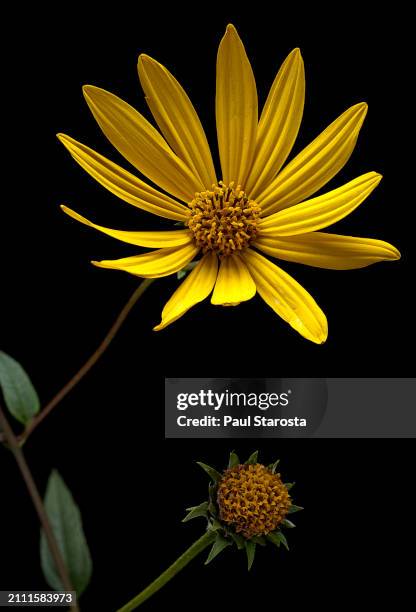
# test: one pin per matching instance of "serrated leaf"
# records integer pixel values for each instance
(233, 460)
(288, 524)
(218, 546)
(273, 466)
(238, 539)
(253, 458)
(196, 511)
(289, 485)
(65, 519)
(19, 394)
(251, 551)
(278, 538)
(212, 472)
(294, 508)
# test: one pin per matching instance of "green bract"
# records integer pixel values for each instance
(225, 534)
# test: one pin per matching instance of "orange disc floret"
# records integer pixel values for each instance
(223, 220)
(252, 500)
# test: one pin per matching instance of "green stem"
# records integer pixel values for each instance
(176, 567)
(38, 504)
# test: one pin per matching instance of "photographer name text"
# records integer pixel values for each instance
(248, 421)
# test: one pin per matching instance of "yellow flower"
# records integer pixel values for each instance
(257, 204)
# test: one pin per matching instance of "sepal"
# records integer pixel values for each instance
(259, 540)
(272, 467)
(239, 541)
(278, 538)
(253, 458)
(294, 508)
(233, 460)
(215, 525)
(250, 546)
(219, 545)
(196, 511)
(212, 472)
(288, 524)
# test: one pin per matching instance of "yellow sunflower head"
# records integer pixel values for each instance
(259, 205)
(248, 505)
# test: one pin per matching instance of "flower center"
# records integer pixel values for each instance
(252, 499)
(223, 220)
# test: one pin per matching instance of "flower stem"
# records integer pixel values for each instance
(17, 451)
(92, 360)
(179, 564)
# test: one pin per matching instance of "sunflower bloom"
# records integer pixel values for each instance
(259, 206)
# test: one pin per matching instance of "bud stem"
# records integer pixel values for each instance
(194, 550)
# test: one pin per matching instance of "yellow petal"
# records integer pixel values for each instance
(195, 288)
(321, 211)
(143, 239)
(316, 164)
(123, 184)
(330, 251)
(154, 264)
(141, 144)
(279, 124)
(287, 298)
(236, 108)
(176, 118)
(234, 283)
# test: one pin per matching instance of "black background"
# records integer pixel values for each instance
(106, 439)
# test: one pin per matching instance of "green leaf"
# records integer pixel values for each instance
(218, 546)
(238, 539)
(288, 524)
(294, 508)
(251, 551)
(253, 458)
(289, 485)
(273, 466)
(234, 460)
(19, 394)
(212, 472)
(196, 511)
(65, 519)
(278, 538)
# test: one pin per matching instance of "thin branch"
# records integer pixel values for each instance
(17, 451)
(89, 363)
